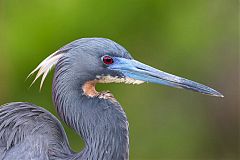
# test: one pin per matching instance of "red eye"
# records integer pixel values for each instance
(107, 60)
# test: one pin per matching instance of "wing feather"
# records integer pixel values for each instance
(24, 125)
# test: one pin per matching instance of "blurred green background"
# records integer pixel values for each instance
(196, 39)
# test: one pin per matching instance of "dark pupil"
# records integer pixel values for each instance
(108, 60)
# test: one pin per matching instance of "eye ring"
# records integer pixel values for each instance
(107, 60)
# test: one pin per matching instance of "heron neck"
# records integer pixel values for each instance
(101, 123)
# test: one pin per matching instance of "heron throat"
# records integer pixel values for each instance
(89, 87)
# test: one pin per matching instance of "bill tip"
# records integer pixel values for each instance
(218, 94)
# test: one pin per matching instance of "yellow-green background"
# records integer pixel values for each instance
(196, 39)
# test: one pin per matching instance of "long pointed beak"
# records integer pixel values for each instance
(139, 71)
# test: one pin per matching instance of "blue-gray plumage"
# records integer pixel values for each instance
(30, 132)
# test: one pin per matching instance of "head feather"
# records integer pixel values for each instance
(45, 66)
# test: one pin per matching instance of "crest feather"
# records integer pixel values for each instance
(45, 66)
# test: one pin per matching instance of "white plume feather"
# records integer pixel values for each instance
(45, 66)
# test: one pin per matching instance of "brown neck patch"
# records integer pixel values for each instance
(89, 89)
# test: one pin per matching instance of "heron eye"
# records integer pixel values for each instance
(107, 60)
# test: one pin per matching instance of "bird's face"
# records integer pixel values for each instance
(100, 60)
(108, 62)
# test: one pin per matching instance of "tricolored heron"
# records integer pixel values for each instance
(30, 132)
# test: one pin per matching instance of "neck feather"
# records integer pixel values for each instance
(101, 123)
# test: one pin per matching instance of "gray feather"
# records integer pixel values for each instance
(23, 126)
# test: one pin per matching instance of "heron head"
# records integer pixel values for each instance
(100, 60)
